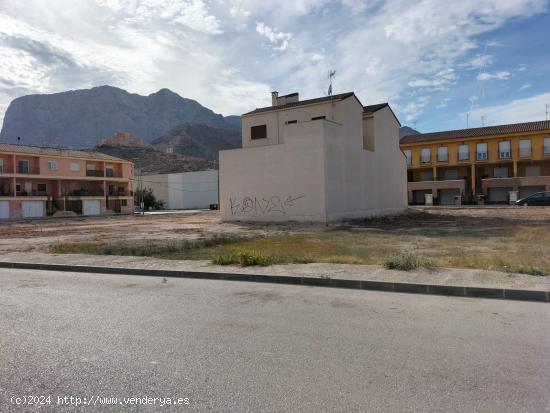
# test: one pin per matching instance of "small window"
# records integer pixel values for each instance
(52, 165)
(318, 117)
(75, 167)
(41, 187)
(109, 172)
(124, 202)
(546, 146)
(504, 150)
(425, 155)
(258, 132)
(288, 122)
(463, 152)
(442, 154)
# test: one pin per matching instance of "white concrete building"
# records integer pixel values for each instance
(186, 190)
(324, 159)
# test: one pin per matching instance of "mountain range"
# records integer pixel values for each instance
(80, 118)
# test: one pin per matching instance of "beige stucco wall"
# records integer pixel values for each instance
(277, 182)
(320, 165)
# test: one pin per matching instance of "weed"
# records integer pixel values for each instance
(408, 262)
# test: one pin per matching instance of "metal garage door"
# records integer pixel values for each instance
(499, 194)
(4, 209)
(525, 191)
(32, 209)
(447, 196)
(91, 207)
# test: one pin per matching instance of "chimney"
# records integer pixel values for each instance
(274, 97)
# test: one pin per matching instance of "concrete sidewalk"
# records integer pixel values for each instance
(310, 274)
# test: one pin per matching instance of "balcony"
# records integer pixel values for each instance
(109, 173)
(6, 193)
(6, 169)
(120, 193)
(28, 170)
(32, 193)
(482, 156)
(93, 172)
(84, 192)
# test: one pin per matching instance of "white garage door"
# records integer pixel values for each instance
(32, 209)
(499, 194)
(91, 207)
(4, 209)
(447, 196)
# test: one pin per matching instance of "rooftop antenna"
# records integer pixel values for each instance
(467, 120)
(483, 120)
(547, 110)
(19, 139)
(331, 74)
(415, 124)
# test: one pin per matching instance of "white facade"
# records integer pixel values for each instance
(344, 164)
(186, 190)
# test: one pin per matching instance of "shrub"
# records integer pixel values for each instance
(407, 262)
(245, 258)
(529, 270)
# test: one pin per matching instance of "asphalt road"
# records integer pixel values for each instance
(235, 346)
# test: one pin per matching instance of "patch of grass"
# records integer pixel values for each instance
(408, 261)
(246, 258)
(153, 248)
(529, 270)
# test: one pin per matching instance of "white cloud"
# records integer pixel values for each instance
(190, 13)
(519, 110)
(482, 60)
(524, 86)
(503, 75)
(279, 39)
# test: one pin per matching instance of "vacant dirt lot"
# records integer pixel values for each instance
(40, 235)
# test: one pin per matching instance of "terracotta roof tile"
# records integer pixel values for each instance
(478, 132)
(341, 96)
(69, 153)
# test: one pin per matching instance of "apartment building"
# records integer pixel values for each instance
(479, 163)
(320, 160)
(37, 181)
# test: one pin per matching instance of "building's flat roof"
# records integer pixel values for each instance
(323, 99)
(69, 153)
(478, 132)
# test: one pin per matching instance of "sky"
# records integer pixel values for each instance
(441, 64)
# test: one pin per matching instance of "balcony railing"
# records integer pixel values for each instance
(32, 193)
(109, 173)
(6, 169)
(504, 155)
(84, 192)
(425, 159)
(93, 172)
(463, 156)
(119, 193)
(6, 193)
(28, 170)
(481, 156)
(443, 158)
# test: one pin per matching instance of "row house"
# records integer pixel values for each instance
(476, 163)
(37, 181)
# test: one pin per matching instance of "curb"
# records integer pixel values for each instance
(447, 290)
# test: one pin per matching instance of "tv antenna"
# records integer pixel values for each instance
(467, 120)
(331, 75)
(483, 120)
(547, 107)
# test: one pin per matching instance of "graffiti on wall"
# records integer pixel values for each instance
(264, 205)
